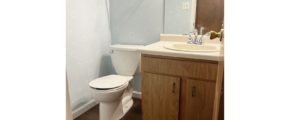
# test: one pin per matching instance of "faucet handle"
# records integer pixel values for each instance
(194, 31)
(189, 36)
(189, 39)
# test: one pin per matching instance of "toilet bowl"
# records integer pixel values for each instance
(114, 92)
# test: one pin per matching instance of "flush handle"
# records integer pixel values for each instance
(173, 87)
(193, 91)
(111, 51)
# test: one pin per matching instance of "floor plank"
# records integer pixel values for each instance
(135, 113)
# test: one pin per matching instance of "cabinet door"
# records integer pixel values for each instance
(199, 100)
(160, 97)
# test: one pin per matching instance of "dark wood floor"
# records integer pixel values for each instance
(135, 113)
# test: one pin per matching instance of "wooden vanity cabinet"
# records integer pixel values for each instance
(177, 88)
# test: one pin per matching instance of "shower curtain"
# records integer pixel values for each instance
(88, 39)
(68, 112)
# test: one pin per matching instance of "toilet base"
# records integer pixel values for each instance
(127, 107)
(115, 110)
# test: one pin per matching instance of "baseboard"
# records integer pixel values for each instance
(137, 94)
(82, 109)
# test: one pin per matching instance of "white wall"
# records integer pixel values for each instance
(87, 44)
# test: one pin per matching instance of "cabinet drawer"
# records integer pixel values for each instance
(197, 70)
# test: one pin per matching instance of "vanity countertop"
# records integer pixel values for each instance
(158, 49)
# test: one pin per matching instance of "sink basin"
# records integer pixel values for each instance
(192, 47)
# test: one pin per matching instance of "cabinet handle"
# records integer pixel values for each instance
(173, 87)
(193, 91)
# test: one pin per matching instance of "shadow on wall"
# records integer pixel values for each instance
(106, 66)
(136, 82)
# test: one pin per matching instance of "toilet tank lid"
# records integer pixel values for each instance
(125, 47)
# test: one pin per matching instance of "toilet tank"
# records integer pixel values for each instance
(126, 60)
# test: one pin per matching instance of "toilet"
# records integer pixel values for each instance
(114, 92)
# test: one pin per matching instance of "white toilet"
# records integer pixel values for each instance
(114, 92)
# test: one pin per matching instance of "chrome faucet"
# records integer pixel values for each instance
(201, 41)
(190, 40)
(196, 41)
(195, 36)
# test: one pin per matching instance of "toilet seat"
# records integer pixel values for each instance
(110, 82)
(111, 90)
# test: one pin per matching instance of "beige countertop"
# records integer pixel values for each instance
(158, 49)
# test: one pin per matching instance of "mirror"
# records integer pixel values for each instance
(182, 16)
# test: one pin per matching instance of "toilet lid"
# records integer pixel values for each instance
(110, 81)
